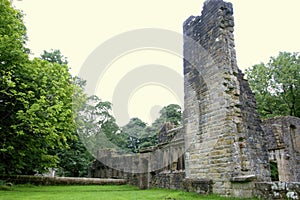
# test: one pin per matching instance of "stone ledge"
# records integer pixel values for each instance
(46, 180)
(246, 178)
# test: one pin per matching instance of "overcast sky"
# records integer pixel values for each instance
(77, 28)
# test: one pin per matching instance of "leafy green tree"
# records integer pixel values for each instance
(98, 128)
(13, 55)
(54, 56)
(42, 117)
(276, 85)
(73, 159)
(141, 136)
(135, 127)
(35, 102)
(171, 113)
(135, 131)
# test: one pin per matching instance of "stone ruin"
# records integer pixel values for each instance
(223, 146)
(283, 136)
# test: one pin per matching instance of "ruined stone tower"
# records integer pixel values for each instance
(223, 138)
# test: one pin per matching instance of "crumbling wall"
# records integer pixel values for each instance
(283, 139)
(278, 190)
(223, 137)
(251, 144)
(158, 166)
(168, 179)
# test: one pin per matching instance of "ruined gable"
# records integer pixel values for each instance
(223, 138)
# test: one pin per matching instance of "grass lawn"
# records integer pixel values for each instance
(124, 192)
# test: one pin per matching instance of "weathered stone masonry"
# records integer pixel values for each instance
(223, 137)
(283, 137)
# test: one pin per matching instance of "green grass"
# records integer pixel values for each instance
(125, 192)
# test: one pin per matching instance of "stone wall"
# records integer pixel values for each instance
(200, 186)
(159, 166)
(223, 137)
(168, 179)
(282, 133)
(283, 136)
(278, 190)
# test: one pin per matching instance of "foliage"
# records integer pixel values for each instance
(135, 130)
(54, 56)
(141, 136)
(12, 36)
(97, 127)
(135, 127)
(171, 113)
(35, 102)
(12, 54)
(274, 171)
(99, 130)
(73, 159)
(277, 85)
(41, 119)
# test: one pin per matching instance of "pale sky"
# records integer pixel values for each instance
(77, 28)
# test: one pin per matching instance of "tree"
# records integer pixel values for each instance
(98, 128)
(141, 136)
(135, 131)
(35, 102)
(170, 113)
(13, 55)
(276, 85)
(135, 127)
(73, 159)
(54, 56)
(42, 117)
